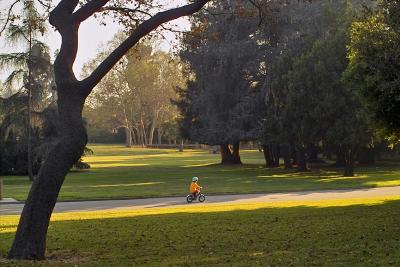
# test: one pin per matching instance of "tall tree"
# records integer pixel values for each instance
(25, 29)
(138, 93)
(222, 60)
(66, 17)
(307, 101)
(374, 67)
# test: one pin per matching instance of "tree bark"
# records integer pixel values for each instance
(236, 153)
(226, 154)
(230, 156)
(271, 155)
(30, 238)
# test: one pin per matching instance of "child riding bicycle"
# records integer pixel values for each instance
(195, 187)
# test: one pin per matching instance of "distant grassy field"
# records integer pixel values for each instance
(119, 172)
(358, 232)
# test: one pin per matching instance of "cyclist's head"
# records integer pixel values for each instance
(195, 179)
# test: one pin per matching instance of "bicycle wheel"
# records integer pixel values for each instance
(202, 198)
(189, 198)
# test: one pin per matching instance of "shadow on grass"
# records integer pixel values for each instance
(355, 235)
(167, 180)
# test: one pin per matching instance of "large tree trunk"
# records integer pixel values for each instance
(236, 153)
(30, 238)
(230, 156)
(226, 154)
(271, 155)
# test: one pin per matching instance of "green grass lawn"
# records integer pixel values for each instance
(119, 172)
(330, 233)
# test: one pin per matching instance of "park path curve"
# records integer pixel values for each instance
(71, 206)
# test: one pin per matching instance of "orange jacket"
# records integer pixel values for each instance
(194, 187)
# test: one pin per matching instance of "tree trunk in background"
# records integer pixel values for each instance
(30, 239)
(128, 137)
(144, 134)
(159, 135)
(226, 154)
(267, 156)
(151, 135)
(30, 163)
(236, 153)
(287, 159)
(340, 158)
(181, 146)
(312, 154)
(133, 136)
(301, 159)
(271, 155)
(349, 170)
(275, 154)
(293, 153)
(349, 157)
(230, 156)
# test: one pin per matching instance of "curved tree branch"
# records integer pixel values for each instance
(142, 30)
(88, 10)
(8, 16)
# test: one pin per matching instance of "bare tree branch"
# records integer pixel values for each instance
(260, 15)
(126, 10)
(88, 10)
(142, 30)
(8, 16)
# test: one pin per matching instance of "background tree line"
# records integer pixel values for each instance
(298, 77)
(136, 96)
(28, 112)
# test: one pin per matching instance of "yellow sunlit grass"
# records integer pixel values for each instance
(384, 183)
(116, 164)
(8, 223)
(126, 185)
(198, 165)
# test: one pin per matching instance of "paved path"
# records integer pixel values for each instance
(228, 199)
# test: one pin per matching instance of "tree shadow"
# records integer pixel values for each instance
(305, 235)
